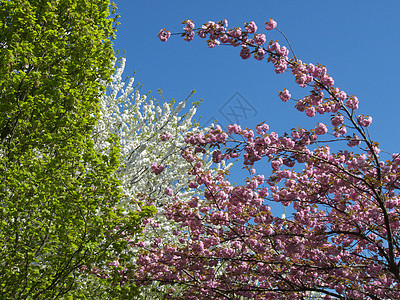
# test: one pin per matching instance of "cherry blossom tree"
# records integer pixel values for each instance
(342, 241)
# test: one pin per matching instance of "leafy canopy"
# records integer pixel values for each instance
(57, 192)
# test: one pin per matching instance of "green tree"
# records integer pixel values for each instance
(58, 195)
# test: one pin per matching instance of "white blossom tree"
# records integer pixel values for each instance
(151, 137)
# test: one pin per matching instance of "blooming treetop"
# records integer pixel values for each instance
(343, 239)
(151, 136)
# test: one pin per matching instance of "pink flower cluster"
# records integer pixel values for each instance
(189, 33)
(168, 191)
(352, 103)
(342, 238)
(164, 35)
(165, 136)
(214, 136)
(271, 24)
(252, 44)
(219, 33)
(364, 121)
(285, 96)
(332, 201)
(251, 27)
(157, 168)
(321, 129)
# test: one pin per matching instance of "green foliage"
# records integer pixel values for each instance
(56, 192)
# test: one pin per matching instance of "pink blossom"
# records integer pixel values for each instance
(189, 25)
(193, 184)
(189, 36)
(280, 66)
(263, 128)
(321, 129)
(310, 111)
(340, 131)
(199, 247)
(165, 136)
(364, 121)
(168, 191)
(114, 263)
(219, 28)
(335, 194)
(164, 35)
(216, 156)
(208, 26)
(339, 288)
(251, 27)
(354, 141)
(285, 96)
(311, 68)
(301, 79)
(352, 103)
(225, 39)
(276, 163)
(341, 95)
(213, 43)
(283, 51)
(234, 129)
(328, 81)
(337, 120)
(245, 52)
(273, 47)
(236, 32)
(194, 202)
(157, 169)
(259, 55)
(271, 24)
(259, 39)
(234, 154)
(202, 34)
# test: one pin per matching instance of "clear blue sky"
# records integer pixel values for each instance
(358, 41)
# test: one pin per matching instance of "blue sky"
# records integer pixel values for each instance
(358, 41)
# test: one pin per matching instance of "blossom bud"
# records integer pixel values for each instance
(164, 35)
(271, 24)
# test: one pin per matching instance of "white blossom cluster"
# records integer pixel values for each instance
(148, 132)
(139, 124)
